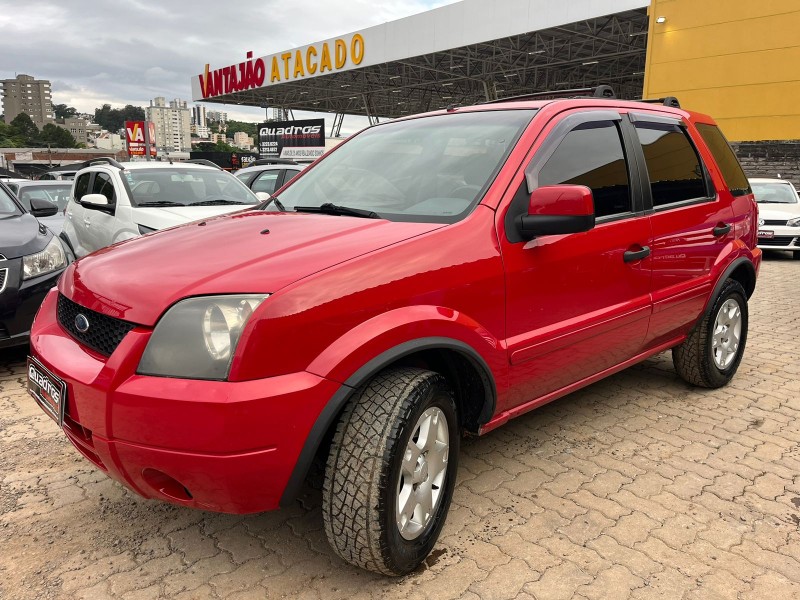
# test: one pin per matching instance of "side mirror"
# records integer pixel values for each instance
(557, 210)
(96, 202)
(263, 196)
(43, 208)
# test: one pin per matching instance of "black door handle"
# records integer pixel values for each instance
(721, 230)
(634, 255)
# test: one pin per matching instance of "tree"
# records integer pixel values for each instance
(23, 128)
(250, 129)
(57, 137)
(64, 112)
(114, 119)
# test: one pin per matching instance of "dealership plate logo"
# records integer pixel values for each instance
(81, 323)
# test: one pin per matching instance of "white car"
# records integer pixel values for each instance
(778, 215)
(268, 175)
(112, 201)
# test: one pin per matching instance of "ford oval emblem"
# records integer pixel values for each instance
(82, 323)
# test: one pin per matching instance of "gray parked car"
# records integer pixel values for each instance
(56, 192)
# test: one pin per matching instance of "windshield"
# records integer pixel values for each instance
(57, 194)
(774, 193)
(431, 169)
(186, 187)
(7, 205)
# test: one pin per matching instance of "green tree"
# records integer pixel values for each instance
(114, 119)
(250, 129)
(64, 112)
(57, 137)
(24, 129)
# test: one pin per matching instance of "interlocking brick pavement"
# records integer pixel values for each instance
(636, 487)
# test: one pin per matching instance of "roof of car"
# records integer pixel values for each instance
(39, 182)
(767, 180)
(277, 167)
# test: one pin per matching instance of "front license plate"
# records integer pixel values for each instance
(47, 389)
(766, 235)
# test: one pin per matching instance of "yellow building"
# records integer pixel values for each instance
(737, 60)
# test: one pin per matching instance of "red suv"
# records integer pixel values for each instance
(433, 276)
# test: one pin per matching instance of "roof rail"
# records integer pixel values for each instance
(102, 160)
(203, 161)
(601, 91)
(272, 161)
(671, 101)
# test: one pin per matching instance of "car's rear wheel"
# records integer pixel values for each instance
(391, 471)
(711, 354)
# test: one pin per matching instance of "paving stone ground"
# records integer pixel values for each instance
(636, 487)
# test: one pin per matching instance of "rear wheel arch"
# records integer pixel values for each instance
(464, 369)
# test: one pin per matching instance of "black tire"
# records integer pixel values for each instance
(694, 358)
(362, 476)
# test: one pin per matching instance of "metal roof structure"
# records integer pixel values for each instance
(463, 53)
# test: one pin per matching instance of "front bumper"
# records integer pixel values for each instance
(784, 238)
(215, 445)
(19, 301)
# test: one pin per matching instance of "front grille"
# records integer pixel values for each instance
(782, 240)
(104, 333)
(775, 222)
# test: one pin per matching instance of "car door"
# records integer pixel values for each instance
(577, 304)
(691, 223)
(76, 225)
(101, 224)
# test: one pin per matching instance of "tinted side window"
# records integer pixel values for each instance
(266, 182)
(103, 185)
(672, 164)
(82, 186)
(727, 162)
(290, 174)
(592, 155)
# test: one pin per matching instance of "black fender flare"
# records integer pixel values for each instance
(342, 395)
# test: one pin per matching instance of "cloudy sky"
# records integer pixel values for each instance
(130, 51)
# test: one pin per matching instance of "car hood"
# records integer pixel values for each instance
(778, 212)
(21, 235)
(161, 218)
(249, 252)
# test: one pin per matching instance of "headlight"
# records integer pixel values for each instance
(197, 337)
(793, 222)
(52, 258)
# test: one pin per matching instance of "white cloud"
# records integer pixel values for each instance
(130, 51)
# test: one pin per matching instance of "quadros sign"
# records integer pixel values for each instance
(292, 139)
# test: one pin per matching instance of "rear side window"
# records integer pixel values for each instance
(592, 155)
(103, 185)
(82, 186)
(727, 162)
(672, 163)
(266, 181)
(290, 174)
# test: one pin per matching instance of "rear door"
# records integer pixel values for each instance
(577, 304)
(691, 223)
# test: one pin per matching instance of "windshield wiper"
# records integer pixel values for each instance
(219, 202)
(334, 209)
(277, 202)
(160, 203)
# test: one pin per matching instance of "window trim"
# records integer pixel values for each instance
(644, 174)
(549, 146)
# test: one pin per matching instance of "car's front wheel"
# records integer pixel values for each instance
(391, 471)
(713, 350)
